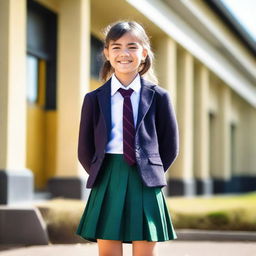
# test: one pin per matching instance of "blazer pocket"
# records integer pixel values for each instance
(155, 160)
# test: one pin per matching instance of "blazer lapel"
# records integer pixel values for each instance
(146, 98)
(104, 99)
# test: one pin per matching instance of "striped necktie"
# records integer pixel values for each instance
(128, 127)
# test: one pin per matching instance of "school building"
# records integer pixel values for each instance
(50, 57)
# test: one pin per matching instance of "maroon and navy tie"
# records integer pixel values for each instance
(128, 127)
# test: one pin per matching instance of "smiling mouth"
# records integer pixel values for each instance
(124, 62)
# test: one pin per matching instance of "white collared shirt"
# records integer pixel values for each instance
(115, 144)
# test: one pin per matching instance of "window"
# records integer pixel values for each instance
(32, 79)
(96, 59)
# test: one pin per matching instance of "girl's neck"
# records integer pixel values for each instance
(126, 80)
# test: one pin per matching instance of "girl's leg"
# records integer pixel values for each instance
(144, 248)
(110, 247)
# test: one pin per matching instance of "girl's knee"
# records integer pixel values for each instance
(144, 248)
(110, 247)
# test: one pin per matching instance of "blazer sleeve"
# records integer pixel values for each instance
(86, 147)
(167, 131)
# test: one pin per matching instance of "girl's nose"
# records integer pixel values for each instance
(125, 52)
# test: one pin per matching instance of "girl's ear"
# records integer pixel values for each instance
(106, 53)
(144, 53)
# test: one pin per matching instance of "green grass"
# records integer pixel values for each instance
(216, 213)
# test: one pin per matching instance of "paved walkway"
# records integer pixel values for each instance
(177, 248)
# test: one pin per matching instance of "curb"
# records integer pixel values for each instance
(215, 235)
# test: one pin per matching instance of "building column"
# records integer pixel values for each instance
(182, 180)
(16, 182)
(249, 183)
(166, 52)
(201, 131)
(222, 173)
(73, 83)
(244, 150)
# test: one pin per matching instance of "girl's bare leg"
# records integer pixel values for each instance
(110, 247)
(144, 248)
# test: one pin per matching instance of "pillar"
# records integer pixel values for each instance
(166, 54)
(222, 173)
(73, 83)
(16, 182)
(249, 181)
(201, 131)
(244, 161)
(182, 180)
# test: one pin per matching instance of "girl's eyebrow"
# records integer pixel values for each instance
(121, 44)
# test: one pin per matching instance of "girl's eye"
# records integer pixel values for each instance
(116, 47)
(133, 47)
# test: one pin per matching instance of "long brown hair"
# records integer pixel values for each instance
(115, 31)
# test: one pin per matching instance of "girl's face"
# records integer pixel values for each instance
(125, 55)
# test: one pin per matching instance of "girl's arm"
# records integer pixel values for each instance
(167, 131)
(86, 146)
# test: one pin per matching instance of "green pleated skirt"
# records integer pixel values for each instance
(121, 207)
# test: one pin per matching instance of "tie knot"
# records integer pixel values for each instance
(126, 93)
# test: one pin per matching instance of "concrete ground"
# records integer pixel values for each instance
(177, 248)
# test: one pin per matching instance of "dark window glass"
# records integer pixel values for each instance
(42, 44)
(96, 58)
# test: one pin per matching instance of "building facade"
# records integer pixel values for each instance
(50, 57)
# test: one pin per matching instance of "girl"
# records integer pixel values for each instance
(128, 138)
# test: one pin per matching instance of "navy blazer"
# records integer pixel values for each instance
(156, 137)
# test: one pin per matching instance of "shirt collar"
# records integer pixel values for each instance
(115, 84)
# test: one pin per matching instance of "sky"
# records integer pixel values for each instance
(245, 12)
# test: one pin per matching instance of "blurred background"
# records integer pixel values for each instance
(50, 57)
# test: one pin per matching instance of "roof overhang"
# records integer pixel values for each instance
(220, 8)
(189, 26)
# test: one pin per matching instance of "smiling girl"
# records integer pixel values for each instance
(128, 138)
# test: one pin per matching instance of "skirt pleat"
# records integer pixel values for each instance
(121, 207)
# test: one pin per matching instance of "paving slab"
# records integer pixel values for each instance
(177, 248)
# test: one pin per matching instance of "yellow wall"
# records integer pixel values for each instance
(51, 129)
